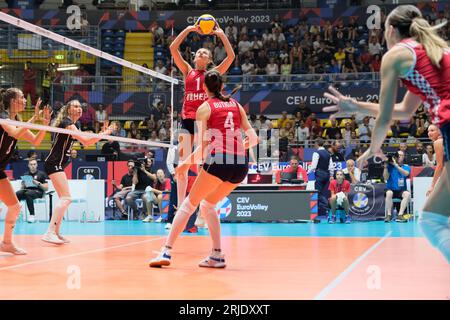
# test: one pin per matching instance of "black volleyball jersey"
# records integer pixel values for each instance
(61, 146)
(7, 144)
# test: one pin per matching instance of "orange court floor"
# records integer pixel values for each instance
(308, 262)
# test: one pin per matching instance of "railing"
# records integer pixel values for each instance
(146, 83)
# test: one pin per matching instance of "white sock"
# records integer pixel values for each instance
(208, 211)
(436, 228)
(179, 222)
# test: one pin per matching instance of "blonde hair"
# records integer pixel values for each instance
(427, 35)
(408, 20)
(63, 113)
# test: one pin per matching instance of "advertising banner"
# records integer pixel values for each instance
(267, 205)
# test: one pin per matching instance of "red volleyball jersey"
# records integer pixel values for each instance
(430, 83)
(194, 95)
(224, 127)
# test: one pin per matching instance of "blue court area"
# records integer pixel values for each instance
(138, 228)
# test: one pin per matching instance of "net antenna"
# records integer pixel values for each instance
(75, 44)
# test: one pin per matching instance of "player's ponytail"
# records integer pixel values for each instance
(428, 37)
(214, 83)
(408, 20)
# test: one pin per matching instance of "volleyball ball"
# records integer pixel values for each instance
(206, 23)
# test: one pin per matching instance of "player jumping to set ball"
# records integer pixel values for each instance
(194, 95)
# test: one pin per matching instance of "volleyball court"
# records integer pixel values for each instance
(109, 259)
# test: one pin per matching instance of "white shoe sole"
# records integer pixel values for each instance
(159, 264)
(217, 266)
(52, 241)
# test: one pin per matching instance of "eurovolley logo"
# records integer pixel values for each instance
(360, 200)
(223, 208)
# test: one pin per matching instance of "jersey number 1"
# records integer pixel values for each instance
(229, 123)
(198, 83)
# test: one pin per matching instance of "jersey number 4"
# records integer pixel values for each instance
(229, 123)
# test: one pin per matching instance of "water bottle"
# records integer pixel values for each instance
(91, 216)
(274, 178)
(83, 217)
(395, 213)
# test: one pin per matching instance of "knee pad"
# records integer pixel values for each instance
(13, 213)
(65, 201)
(207, 208)
(435, 227)
(187, 208)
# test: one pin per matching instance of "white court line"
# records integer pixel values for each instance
(77, 254)
(325, 291)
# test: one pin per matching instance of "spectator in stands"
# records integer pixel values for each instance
(375, 64)
(339, 56)
(134, 133)
(101, 117)
(154, 195)
(35, 191)
(29, 82)
(219, 53)
(336, 155)
(346, 133)
(395, 173)
(375, 47)
(153, 136)
(304, 110)
(351, 65)
(352, 29)
(87, 118)
(254, 122)
(266, 124)
(330, 133)
(294, 168)
(231, 31)
(244, 46)
(302, 134)
(315, 130)
(286, 70)
(272, 70)
(328, 31)
(261, 63)
(351, 173)
(334, 67)
(288, 128)
(419, 148)
(74, 156)
(323, 168)
(80, 79)
(403, 147)
(47, 81)
(124, 188)
(257, 45)
(323, 53)
(365, 130)
(142, 178)
(281, 123)
(120, 130)
(112, 148)
(429, 157)
(339, 188)
(248, 69)
(296, 54)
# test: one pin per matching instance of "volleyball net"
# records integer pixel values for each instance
(111, 73)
